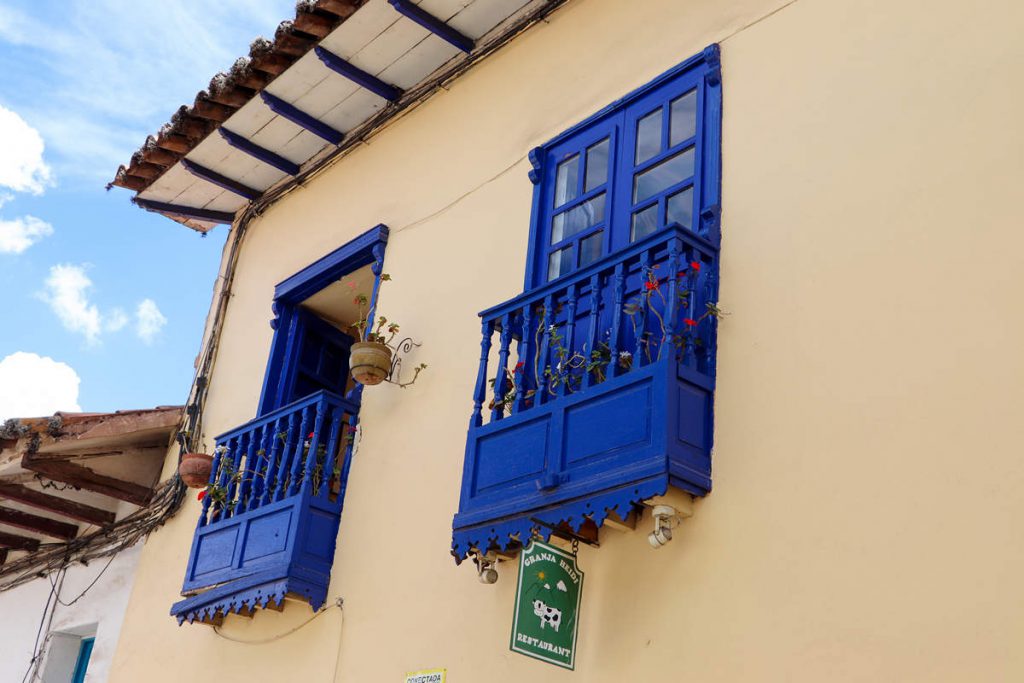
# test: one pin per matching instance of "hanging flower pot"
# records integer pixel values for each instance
(194, 469)
(370, 362)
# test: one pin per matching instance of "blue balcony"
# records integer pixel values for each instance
(269, 522)
(594, 393)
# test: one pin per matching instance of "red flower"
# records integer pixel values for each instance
(651, 285)
(202, 494)
(689, 322)
(519, 367)
(310, 435)
(695, 265)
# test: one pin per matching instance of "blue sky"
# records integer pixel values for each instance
(103, 303)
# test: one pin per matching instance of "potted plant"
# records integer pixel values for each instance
(195, 468)
(370, 358)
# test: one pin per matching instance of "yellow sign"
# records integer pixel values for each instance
(426, 676)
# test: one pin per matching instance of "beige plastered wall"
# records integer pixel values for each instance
(866, 519)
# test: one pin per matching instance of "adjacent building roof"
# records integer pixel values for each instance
(64, 474)
(328, 79)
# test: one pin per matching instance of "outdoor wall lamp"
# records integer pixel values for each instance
(666, 518)
(486, 567)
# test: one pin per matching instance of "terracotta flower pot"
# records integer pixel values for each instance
(370, 362)
(195, 468)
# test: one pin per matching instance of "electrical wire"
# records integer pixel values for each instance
(339, 603)
(48, 611)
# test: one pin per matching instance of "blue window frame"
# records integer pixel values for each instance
(82, 663)
(272, 532)
(594, 388)
(633, 168)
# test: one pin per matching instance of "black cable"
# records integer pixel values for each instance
(87, 588)
(36, 648)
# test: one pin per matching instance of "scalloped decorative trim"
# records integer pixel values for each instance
(209, 606)
(502, 534)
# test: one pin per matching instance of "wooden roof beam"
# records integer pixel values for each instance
(433, 24)
(211, 176)
(357, 75)
(85, 478)
(14, 542)
(40, 525)
(207, 215)
(302, 119)
(263, 154)
(61, 506)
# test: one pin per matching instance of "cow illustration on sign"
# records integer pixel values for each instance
(546, 621)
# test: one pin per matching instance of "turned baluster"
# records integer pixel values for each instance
(524, 367)
(310, 467)
(248, 471)
(618, 280)
(480, 391)
(337, 416)
(594, 337)
(501, 385)
(542, 364)
(642, 348)
(672, 295)
(298, 458)
(285, 454)
(570, 338)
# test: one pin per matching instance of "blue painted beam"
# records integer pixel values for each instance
(217, 179)
(186, 211)
(302, 119)
(433, 24)
(262, 153)
(357, 75)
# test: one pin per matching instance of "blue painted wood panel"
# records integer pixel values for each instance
(602, 393)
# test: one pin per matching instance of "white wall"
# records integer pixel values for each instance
(100, 610)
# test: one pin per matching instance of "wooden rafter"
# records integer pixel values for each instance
(15, 542)
(85, 478)
(40, 525)
(63, 507)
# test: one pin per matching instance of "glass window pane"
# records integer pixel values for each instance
(683, 119)
(597, 165)
(680, 208)
(566, 180)
(591, 248)
(644, 223)
(673, 170)
(577, 219)
(559, 262)
(648, 136)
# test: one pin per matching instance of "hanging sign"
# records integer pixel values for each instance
(547, 607)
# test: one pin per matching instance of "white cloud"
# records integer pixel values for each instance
(21, 233)
(148, 320)
(66, 293)
(95, 115)
(35, 386)
(22, 168)
(115, 320)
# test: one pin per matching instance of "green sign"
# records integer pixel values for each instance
(547, 605)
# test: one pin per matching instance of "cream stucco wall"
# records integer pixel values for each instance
(865, 523)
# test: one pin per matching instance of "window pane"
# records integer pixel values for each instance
(644, 223)
(673, 170)
(560, 262)
(683, 120)
(597, 165)
(577, 219)
(591, 248)
(680, 208)
(648, 136)
(566, 180)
